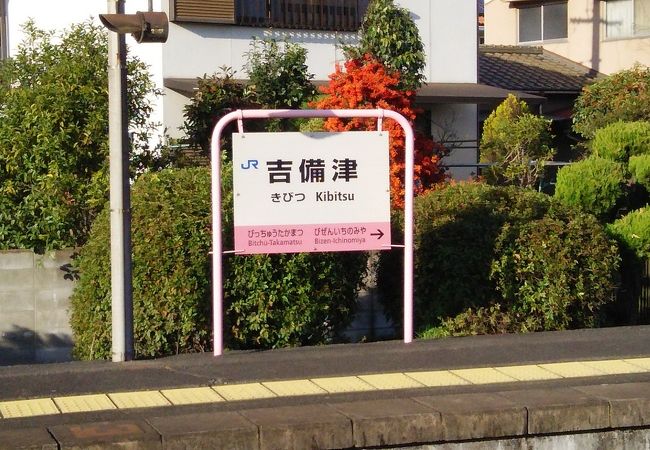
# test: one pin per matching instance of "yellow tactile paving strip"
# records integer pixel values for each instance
(385, 381)
(140, 399)
(191, 396)
(573, 369)
(437, 378)
(248, 391)
(293, 388)
(27, 408)
(528, 373)
(341, 385)
(319, 386)
(613, 367)
(483, 375)
(640, 362)
(84, 403)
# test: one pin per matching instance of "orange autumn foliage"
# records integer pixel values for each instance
(366, 84)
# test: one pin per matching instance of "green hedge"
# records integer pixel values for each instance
(271, 301)
(555, 273)
(639, 166)
(595, 185)
(171, 291)
(455, 232)
(483, 259)
(620, 140)
(633, 231)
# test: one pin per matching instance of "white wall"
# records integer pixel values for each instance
(449, 31)
(194, 50)
(447, 28)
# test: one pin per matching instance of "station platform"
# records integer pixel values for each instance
(581, 387)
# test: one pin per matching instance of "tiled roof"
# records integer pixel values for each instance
(531, 69)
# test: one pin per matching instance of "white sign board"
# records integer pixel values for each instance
(311, 192)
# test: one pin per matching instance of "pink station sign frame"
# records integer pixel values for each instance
(217, 242)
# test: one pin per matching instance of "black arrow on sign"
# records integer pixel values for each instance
(379, 234)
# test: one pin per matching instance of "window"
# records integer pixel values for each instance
(543, 22)
(627, 18)
(339, 15)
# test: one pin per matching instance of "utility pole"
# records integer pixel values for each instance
(120, 198)
(144, 27)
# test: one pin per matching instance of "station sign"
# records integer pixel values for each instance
(311, 192)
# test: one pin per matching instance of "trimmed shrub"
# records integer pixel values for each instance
(554, 273)
(595, 185)
(278, 74)
(216, 96)
(456, 228)
(473, 321)
(171, 289)
(289, 300)
(502, 259)
(620, 140)
(639, 166)
(271, 301)
(633, 232)
(624, 96)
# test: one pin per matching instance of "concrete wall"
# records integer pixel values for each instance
(586, 42)
(617, 439)
(34, 304)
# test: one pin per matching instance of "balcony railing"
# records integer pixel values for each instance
(335, 15)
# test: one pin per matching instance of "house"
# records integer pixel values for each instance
(207, 34)
(603, 35)
(540, 72)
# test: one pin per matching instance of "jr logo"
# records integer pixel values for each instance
(251, 163)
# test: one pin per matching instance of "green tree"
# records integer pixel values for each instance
(54, 135)
(278, 74)
(217, 95)
(624, 96)
(389, 34)
(516, 142)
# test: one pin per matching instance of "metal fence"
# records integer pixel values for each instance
(644, 293)
(633, 292)
(339, 15)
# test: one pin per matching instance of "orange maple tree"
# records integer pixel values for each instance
(365, 83)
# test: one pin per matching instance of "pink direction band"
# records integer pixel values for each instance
(338, 237)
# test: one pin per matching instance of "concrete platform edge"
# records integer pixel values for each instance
(418, 421)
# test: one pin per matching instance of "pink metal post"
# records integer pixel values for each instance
(217, 245)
